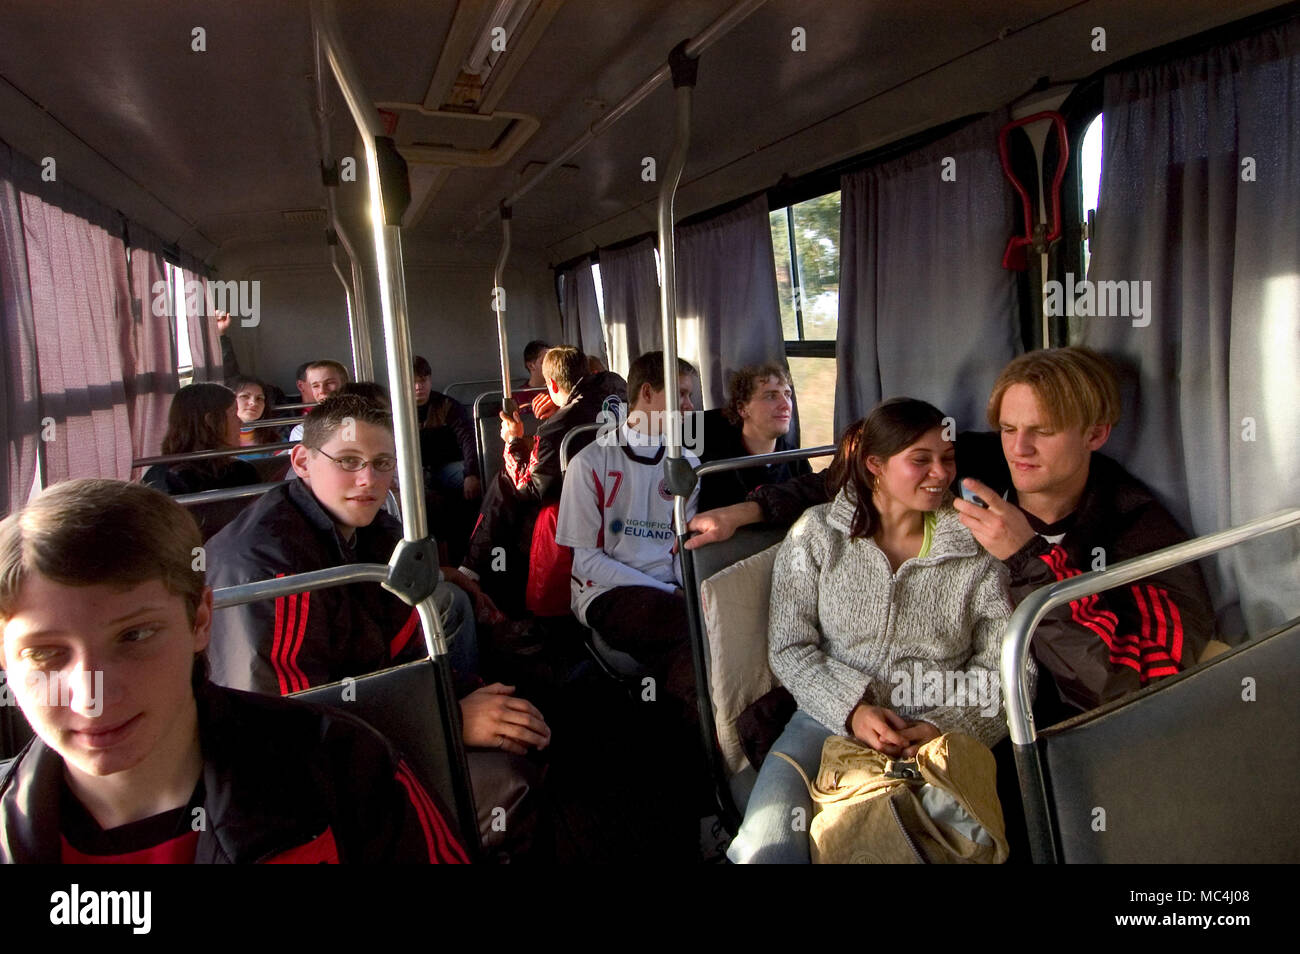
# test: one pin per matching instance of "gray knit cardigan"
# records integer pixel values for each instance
(843, 628)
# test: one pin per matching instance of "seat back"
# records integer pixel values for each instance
(213, 515)
(734, 603)
(403, 705)
(271, 468)
(14, 731)
(1200, 767)
(487, 430)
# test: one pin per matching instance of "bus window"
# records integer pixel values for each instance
(806, 246)
(1090, 183)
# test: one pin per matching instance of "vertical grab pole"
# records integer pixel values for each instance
(508, 405)
(679, 477)
(363, 365)
(386, 217)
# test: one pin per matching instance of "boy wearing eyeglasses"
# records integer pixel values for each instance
(331, 516)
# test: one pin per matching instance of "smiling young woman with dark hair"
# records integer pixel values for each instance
(883, 579)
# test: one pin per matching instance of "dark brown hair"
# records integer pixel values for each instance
(649, 369)
(91, 531)
(335, 411)
(196, 421)
(742, 384)
(263, 435)
(892, 426)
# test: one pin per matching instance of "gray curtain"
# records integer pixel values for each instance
(926, 309)
(1211, 407)
(631, 287)
(728, 314)
(19, 387)
(579, 312)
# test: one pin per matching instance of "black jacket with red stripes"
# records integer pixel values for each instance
(307, 639)
(1100, 648)
(534, 468)
(284, 782)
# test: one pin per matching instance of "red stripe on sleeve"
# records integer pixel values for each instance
(304, 609)
(278, 645)
(441, 847)
(404, 635)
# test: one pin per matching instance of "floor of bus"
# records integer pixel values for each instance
(613, 786)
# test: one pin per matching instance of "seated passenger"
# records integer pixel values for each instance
(1056, 504)
(148, 761)
(323, 378)
(617, 517)
(882, 582)
(251, 404)
(201, 417)
(532, 477)
(329, 517)
(755, 420)
(534, 352)
(447, 448)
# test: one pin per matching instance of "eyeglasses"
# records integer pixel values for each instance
(352, 464)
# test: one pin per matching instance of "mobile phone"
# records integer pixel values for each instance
(968, 494)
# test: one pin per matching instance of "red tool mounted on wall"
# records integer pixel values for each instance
(1038, 235)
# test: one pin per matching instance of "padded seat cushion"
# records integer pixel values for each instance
(735, 604)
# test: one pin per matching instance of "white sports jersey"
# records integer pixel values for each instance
(618, 517)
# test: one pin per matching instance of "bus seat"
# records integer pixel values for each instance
(1201, 767)
(214, 515)
(15, 731)
(271, 469)
(734, 603)
(401, 703)
(488, 429)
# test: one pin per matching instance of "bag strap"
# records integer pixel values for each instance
(802, 774)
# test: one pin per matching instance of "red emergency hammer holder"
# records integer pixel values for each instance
(1016, 257)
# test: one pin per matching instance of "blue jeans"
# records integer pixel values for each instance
(780, 810)
(450, 478)
(456, 610)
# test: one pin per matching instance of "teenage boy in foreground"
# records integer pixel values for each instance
(1054, 505)
(138, 758)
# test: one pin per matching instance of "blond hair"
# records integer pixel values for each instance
(1075, 386)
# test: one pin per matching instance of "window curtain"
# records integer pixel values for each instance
(728, 313)
(1200, 162)
(149, 367)
(926, 309)
(579, 312)
(20, 413)
(205, 341)
(76, 270)
(631, 286)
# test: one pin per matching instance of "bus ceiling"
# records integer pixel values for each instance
(197, 120)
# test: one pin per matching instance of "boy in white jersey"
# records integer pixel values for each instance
(617, 516)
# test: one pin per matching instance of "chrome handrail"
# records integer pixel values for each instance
(270, 422)
(217, 452)
(1030, 612)
(762, 460)
(300, 583)
(226, 493)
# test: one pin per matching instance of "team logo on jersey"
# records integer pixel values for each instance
(663, 491)
(616, 527)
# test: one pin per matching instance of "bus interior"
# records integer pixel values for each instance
(889, 198)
